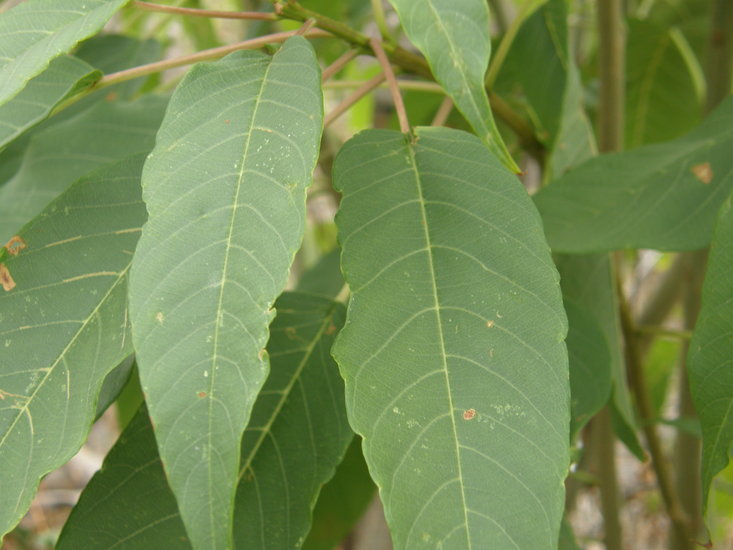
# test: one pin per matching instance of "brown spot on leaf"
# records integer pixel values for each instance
(6, 279)
(490, 324)
(15, 245)
(160, 317)
(469, 414)
(227, 121)
(112, 96)
(290, 333)
(703, 172)
(202, 394)
(330, 329)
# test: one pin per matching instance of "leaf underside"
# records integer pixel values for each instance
(453, 354)
(298, 433)
(225, 191)
(63, 329)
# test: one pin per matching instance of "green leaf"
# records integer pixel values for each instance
(710, 353)
(342, 501)
(454, 37)
(661, 196)
(538, 62)
(65, 76)
(64, 152)
(225, 191)
(131, 479)
(37, 31)
(590, 366)
(298, 434)
(587, 281)
(663, 78)
(63, 326)
(453, 354)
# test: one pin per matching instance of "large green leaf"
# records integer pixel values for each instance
(454, 37)
(62, 153)
(664, 84)
(63, 77)
(225, 190)
(37, 31)
(711, 353)
(63, 326)
(661, 196)
(298, 433)
(453, 355)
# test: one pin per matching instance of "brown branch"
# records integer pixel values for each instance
(443, 112)
(212, 14)
(394, 89)
(352, 98)
(339, 64)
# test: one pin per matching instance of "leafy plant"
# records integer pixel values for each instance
(466, 347)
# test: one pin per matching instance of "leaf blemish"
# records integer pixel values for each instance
(290, 333)
(160, 317)
(15, 245)
(6, 279)
(331, 329)
(703, 172)
(202, 394)
(468, 414)
(490, 324)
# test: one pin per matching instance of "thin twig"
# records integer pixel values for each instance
(204, 55)
(212, 14)
(394, 89)
(663, 331)
(411, 85)
(646, 412)
(611, 35)
(414, 64)
(339, 64)
(352, 98)
(305, 27)
(443, 112)
(381, 21)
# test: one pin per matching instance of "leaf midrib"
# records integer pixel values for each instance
(437, 308)
(219, 306)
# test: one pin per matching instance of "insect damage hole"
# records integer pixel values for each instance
(703, 172)
(15, 245)
(6, 280)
